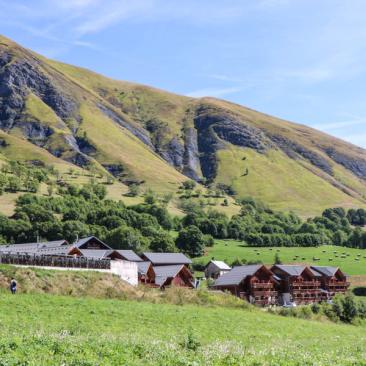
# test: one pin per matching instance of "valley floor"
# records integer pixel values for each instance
(40, 329)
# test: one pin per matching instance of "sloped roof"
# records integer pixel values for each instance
(162, 273)
(291, 269)
(95, 253)
(325, 270)
(220, 264)
(62, 250)
(237, 275)
(83, 241)
(130, 255)
(167, 258)
(55, 247)
(143, 267)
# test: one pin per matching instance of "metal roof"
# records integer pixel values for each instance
(219, 264)
(291, 269)
(325, 270)
(167, 258)
(130, 255)
(55, 247)
(162, 273)
(237, 275)
(83, 241)
(143, 267)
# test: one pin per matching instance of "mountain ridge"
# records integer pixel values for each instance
(147, 136)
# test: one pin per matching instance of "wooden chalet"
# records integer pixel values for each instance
(255, 283)
(129, 255)
(298, 284)
(332, 279)
(146, 274)
(174, 275)
(215, 269)
(166, 259)
(91, 242)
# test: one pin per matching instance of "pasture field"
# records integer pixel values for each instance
(41, 329)
(353, 262)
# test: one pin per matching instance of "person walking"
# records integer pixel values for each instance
(13, 286)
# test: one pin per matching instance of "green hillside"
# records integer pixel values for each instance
(351, 261)
(157, 139)
(40, 330)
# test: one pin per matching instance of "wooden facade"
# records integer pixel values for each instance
(300, 282)
(254, 283)
(146, 274)
(333, 280)
(175, 275)
(215, 269)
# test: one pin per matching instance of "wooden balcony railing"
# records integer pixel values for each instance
(306, 283)
(262, 285)
(338, 284)
(264, 293)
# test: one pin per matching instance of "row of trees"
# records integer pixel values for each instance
(16, 176)
(80, 211)
(258, 226)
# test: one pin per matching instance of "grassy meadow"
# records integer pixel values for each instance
(54, 330)
(354, 262)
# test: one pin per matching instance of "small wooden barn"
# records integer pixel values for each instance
(174, 275)
(166, 259)
(255, 283)
(298, 284)
(146, 274)
(215, 269)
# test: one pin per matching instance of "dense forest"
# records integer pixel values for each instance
(77, 211)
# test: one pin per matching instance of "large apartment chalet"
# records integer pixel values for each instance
(255, 283)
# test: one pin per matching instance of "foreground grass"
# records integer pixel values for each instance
(229, 250)
(39, 329)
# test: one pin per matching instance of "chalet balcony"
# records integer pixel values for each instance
(306, 292)
(339, 284)
(264, 293)
(306, 296)
(264, 285)
(306, 283)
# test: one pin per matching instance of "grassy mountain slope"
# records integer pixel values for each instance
(157, 139)
(89, 331)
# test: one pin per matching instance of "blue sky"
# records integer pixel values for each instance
(302, 60)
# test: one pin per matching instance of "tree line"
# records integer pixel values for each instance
(82, 211)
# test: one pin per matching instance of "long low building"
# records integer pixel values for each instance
(283, 284)
(154, 269)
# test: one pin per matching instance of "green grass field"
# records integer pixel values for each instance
(229, 250)
(52, 330)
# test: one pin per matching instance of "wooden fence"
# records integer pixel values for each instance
(54, 261)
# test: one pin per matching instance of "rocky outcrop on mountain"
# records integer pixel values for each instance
(35, 132)
(139, 132)
(192, 166)
(17, 79)
(172, 153)
(215, 128)
(295, 150)
(84, 145)
(356, 166)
